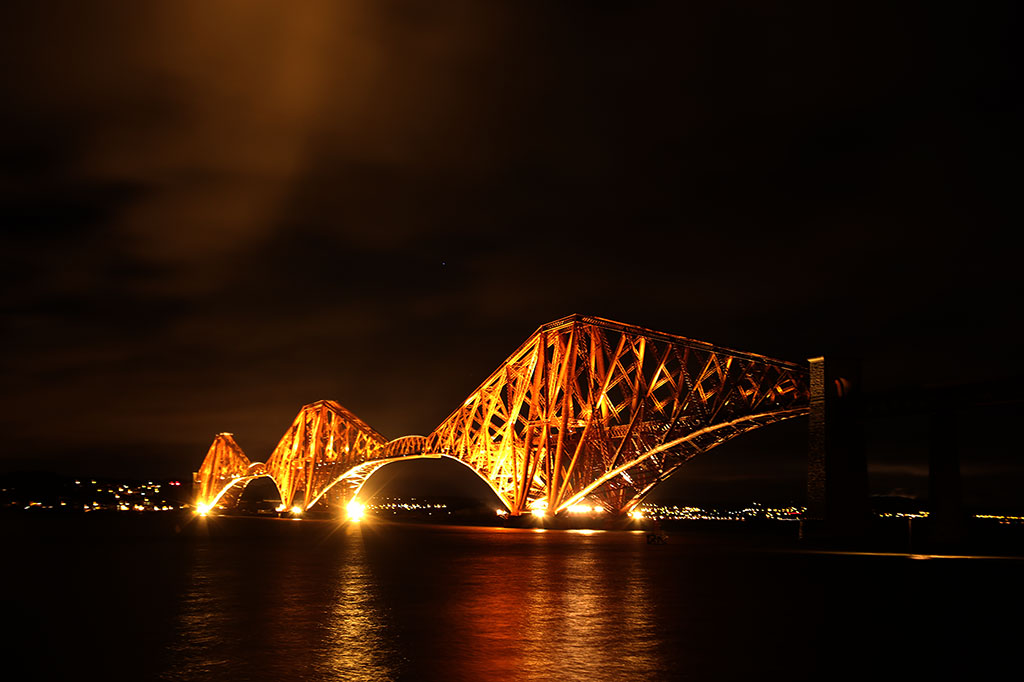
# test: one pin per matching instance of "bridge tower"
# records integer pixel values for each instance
(837, 486)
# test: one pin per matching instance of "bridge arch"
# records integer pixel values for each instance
(641, 477)
(349, 486)
(232, 492)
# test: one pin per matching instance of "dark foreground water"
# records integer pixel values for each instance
(156, 597)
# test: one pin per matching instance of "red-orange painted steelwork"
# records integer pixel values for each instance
(586, 408)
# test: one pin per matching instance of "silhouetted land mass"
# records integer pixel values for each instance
(897, 523)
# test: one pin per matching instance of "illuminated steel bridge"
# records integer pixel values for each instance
(586, 410)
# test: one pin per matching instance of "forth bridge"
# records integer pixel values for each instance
(586, 411)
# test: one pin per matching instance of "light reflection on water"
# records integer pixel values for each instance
(318, 601)
(413, 603)
(271, 608)
(547, 613)
(593, 612)
(255, 599)
(357, 641)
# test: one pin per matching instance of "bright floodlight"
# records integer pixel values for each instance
(355, 510)
(203, 509)
(539, 513)
(296, 510)
(636, 514)
(580, 509)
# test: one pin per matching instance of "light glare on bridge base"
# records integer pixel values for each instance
(539, 513)
(202, 509)
(296, 511)
(355, 510)
(636, 514)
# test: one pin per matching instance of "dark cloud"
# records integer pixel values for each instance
(216, 212)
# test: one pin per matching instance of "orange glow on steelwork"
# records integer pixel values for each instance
(586, 414)
(224, 465)
(324, 441)
(587, 407)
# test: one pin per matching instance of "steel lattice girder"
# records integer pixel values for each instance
(585, 407)
(322, 444)
(223, 466)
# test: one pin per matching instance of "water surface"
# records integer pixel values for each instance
(142, 597)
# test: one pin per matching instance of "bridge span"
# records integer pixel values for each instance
(585, 411)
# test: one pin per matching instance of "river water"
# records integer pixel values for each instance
(169, 597)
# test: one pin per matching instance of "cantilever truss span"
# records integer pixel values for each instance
(225, 472)
(585, 408)
(590, 408)
(323, 443)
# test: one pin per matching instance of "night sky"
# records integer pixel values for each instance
(216, 212)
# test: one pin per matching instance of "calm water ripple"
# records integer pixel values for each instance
(262, 599)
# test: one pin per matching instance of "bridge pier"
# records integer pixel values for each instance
(837, 490)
